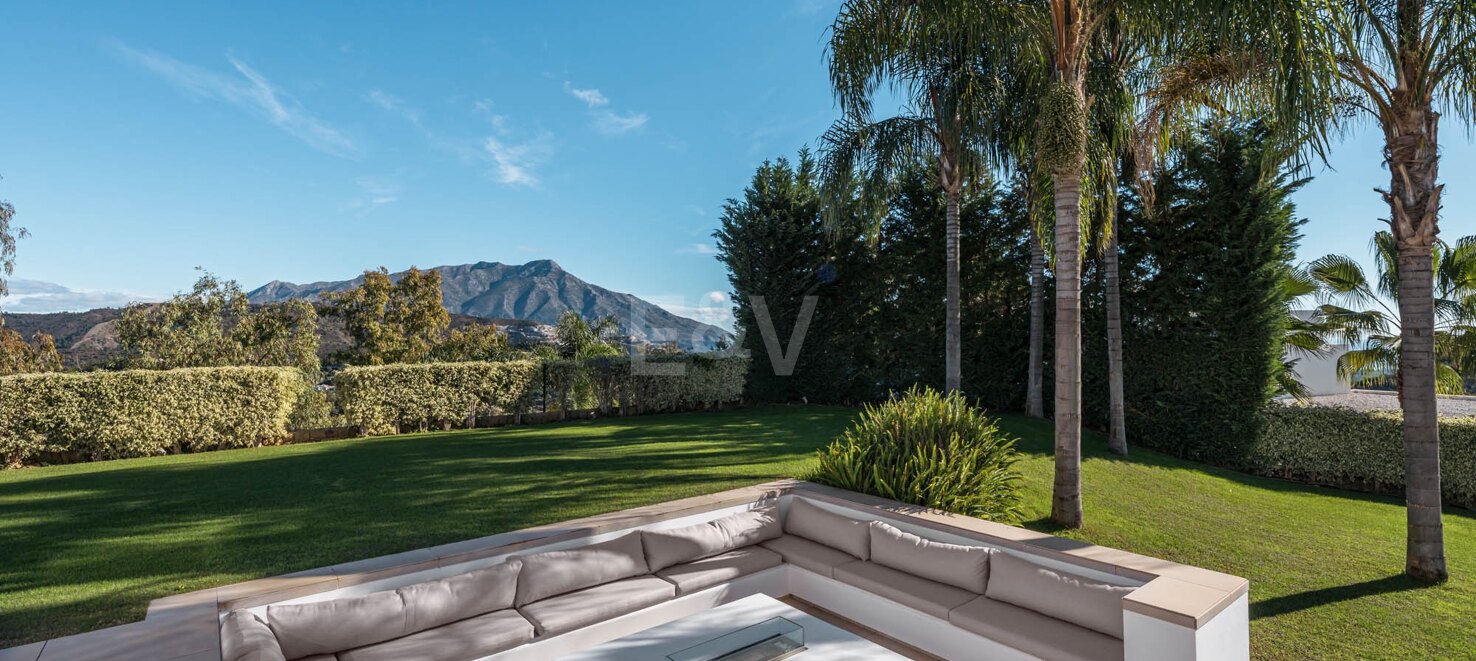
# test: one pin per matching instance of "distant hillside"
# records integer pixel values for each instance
(538, 291)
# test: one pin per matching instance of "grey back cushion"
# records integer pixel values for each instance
(1065, 596)
(325, 627)
(965, 567)
(675, 546)
(837, 531)
(556, 572)
(437, 603)
(244, 637)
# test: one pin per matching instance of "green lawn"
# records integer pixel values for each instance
(87, 546)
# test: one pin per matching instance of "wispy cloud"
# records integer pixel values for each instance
(247, 89)
(606, 121)
(610, 122)
(392, 104)
(591, 97)
(698, 249)
(513, 156)
(376, 192)
(514, 162)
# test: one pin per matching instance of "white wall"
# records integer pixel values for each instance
(1319, 373)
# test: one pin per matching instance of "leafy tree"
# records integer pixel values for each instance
(1360, 312)
(19, 357)
(8, 236)
(392, 321)
(214, 325)
(480, 342)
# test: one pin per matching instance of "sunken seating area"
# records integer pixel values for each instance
(943, 585)
(951, 595)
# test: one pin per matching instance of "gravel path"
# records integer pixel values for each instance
(1373, 400)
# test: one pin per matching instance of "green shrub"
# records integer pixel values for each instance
(927, 449)
(1348, 448)
(387, 398)
(105, 415)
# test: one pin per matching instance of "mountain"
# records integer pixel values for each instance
(538, 291)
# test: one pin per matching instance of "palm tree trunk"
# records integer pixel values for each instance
(1066, 500)
(1411, 152)
(1034, 398)
(952, 359)
(1117, 418)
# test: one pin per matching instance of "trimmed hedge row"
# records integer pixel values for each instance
(1361, 450)
(108, 415)
(387, 398)
(390, 398)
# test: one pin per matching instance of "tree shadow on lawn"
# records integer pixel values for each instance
(166, 525)
(1292, 603)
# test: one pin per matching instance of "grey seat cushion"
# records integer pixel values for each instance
(964, 567)
(556, 572)
(472, 638)
(437, 603)
(806, 554)
(244, 637)
(1033, 633)
(665, 548)
(1083, 601)
(915, 592)
(326, 627)
(707, 572)
(838, 531)
(567, 612)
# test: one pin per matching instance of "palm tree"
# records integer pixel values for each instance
(1361, 312)
(1401, 63)
(882, 43)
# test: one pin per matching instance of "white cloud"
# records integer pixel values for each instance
(514, 162)
(699, 249)
(249, 90)
(715, 297)
(591, 97)
(606, 121)
(39, 297)
(610, 122)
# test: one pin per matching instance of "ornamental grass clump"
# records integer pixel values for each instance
(929, 449)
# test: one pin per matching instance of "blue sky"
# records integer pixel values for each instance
(310, 141)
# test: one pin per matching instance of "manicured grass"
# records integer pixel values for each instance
(87, 546)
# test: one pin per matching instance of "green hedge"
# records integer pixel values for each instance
(387, 398)
(390, 398)
(1361, 450)
(107, 415)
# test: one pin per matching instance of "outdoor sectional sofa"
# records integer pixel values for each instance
(950, 586)
(1038, 610)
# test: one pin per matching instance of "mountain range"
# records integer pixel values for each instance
(525, 300)
(539, 291)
